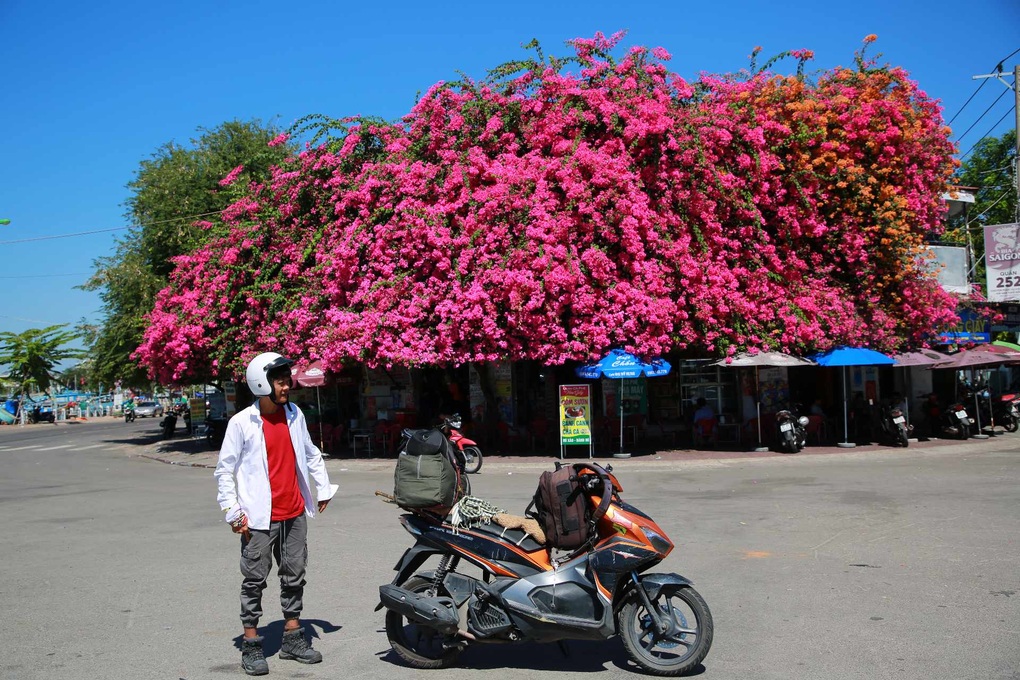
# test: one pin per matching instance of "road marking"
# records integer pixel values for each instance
(94, 446)
(54, 448)
(23, 448)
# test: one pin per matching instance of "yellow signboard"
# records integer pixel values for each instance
(575, 414)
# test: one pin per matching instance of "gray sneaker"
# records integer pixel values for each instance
(252, 659)
(296, 647)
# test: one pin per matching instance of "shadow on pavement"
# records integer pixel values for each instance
(272, 634)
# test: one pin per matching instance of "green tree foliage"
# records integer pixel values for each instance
(991, 170)
(30, 357)
(175, 201)
(989, 173)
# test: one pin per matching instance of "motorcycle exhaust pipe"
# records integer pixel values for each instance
(439, 613)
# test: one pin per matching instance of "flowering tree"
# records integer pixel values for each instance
(565, 206)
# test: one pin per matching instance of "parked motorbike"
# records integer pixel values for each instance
(1007, 411)
(525, 595)
(792, 431)
(129, 415)
(37, 415)
(466, 448)
(956, 422)
(169, 425)
(894, 427)
(215, 431)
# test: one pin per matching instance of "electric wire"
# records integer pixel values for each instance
(1001, 95)
(998, 69)
(968, 101)
(102, 231)
(996, 202)
(990, 131)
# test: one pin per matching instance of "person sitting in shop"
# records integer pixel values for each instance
(705, 424)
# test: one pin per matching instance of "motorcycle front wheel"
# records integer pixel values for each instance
(472, 459)
(419, 646)
(674, 653)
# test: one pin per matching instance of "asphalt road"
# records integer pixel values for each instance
(888, 564)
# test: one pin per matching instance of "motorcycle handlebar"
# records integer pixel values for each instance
(592, 484)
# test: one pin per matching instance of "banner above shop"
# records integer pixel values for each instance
(1002, 262)
(972, 329)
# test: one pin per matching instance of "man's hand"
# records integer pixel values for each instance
(240, 526)
(322, 505)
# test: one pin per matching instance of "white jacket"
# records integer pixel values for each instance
(242, 471)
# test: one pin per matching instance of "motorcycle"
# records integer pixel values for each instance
(169, 425)
(956, 422)
(129, 415)
(792, 431)
(467, 449)
(215, 431)
(525, 595)
(1007, 411)
(894, 427)
(38, 415)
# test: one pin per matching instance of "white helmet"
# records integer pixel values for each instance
(257, 373)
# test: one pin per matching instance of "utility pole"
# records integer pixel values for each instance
(1016, 127)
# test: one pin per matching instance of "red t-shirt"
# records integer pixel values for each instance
(287, 500)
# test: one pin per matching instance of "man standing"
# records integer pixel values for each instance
(262, 474)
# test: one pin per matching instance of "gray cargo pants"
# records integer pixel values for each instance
(287, 542)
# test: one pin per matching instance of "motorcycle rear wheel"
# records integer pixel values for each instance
(472, 459)
(673, 655)
(419, 646)
(1010, 424)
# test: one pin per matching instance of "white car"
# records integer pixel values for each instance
(146, 409)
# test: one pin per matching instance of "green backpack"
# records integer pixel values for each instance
(427, 476)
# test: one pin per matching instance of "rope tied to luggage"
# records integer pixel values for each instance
(471, 511)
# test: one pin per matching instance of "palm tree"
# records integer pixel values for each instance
(30, 357)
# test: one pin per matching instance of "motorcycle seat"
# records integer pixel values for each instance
(518, 537)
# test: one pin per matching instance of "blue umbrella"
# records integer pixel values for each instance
(851, 356)
(621, 365)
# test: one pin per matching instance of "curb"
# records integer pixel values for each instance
(665, 460)
(181, 463)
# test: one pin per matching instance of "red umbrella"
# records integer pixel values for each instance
(972, 359)
(311, 375)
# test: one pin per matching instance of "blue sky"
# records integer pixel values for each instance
(92, 89)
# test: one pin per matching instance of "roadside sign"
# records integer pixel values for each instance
(196, 408)
(575, 416)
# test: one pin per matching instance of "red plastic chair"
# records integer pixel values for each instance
(705, 431)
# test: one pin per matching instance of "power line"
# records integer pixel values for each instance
(997, 201)
(987, 134)
(102, 231)
(45, 276)
(1001, 95)
(48, 238)
(998, 67)
(967, 102)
